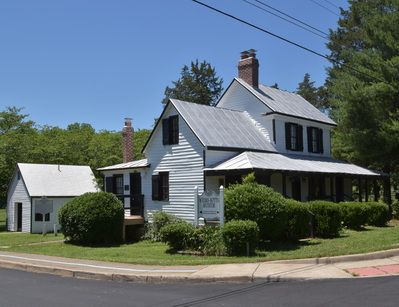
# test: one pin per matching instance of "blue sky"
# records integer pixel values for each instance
(98, 61)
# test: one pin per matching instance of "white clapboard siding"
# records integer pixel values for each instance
(183, 161)
(37, 226)
(18, 194)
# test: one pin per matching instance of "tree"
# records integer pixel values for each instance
(315, 95)
(17, 138)
(198, 84)
(364, 84)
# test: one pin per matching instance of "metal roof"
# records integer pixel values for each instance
(218, 127)
(53, 180)
(287, 103)
(292, 163)
(128, 165)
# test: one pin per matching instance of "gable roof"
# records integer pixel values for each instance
(293, 163)
(286, 103)
(223, 128)
(54, 180)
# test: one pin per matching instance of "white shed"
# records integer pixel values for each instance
(30, 182)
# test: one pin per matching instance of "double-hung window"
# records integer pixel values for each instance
(293, 137)
(160, 186)
(315, 140)
(170, 130)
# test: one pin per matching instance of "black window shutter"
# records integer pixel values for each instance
(165, 131)
(155, 187)
(300, 138)
(274, 130)
(320, 143)
(174, 129)
(310, 139)
(287, 136)
(109, 184)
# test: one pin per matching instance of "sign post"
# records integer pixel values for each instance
(44, 206)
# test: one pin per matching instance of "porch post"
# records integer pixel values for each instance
(284, 184)
(367, 190)
(332, 189)
(376, 190)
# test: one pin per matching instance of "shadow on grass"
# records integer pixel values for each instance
(284, 246)
(92, 245)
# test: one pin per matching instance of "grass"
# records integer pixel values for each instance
(349, 242)
(3, 217)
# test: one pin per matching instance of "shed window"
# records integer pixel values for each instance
(170, 130)
(160, 186)
(315, 140)
(293, 137)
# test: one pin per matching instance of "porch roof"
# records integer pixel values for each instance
(292, 163)
(128, 165)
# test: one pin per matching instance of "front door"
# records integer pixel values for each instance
(296, 188)
(19, 216)
(339, 187)
(136, 198)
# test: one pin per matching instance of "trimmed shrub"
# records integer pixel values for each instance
(237, 234)
(378, 214)
(208, 240)
(177, 235)
(395, 209)
(298, 223)
(92, 218)
(354, 214)
(259, 203)
(327, 218)
(159, 220)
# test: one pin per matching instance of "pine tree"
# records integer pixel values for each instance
(198, 84)
(364, 84)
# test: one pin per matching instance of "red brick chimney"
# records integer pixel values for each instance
(248, 67)
(128, 142)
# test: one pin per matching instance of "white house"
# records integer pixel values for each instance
(253, 128)
(30, 182)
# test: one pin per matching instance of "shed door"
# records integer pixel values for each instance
(19, 216)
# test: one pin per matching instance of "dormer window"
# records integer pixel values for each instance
(293, 137)
(315, 140)
(170, 130)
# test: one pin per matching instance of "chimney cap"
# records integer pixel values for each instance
(128, 121)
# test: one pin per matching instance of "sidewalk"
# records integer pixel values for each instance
(352, 266)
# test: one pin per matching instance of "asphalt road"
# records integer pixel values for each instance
(19, 288)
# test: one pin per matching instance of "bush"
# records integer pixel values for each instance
(92, 218)
(237, 234)
(159, 220)
(395, 209)
(298, 223)
(177, 235)
(208, 240)
(354, 214)
(378, 214)
(327, 218)
(259, 203)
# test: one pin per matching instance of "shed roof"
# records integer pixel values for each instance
(287, 103)
(292, 163)
(223, 128)
(128, 165)
(54, 180)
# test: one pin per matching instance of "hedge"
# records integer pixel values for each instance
(327, 218)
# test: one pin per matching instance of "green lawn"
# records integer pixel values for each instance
(3, 219)
(350, 242)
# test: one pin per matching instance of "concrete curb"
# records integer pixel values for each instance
(293, 270)
(345, 258)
